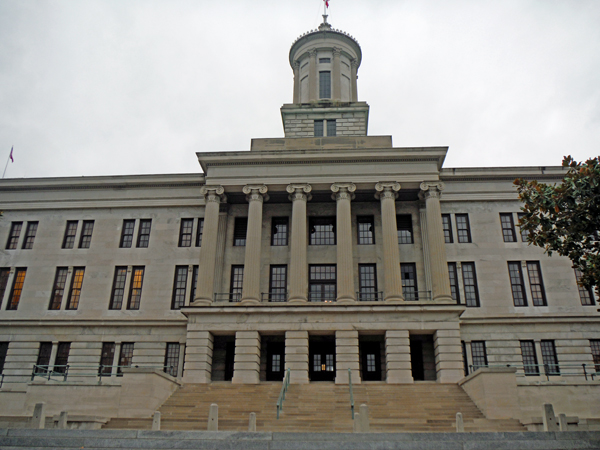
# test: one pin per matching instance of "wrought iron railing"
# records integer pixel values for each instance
(62, 372)
(284, 388)
(413, 296)
(363, 296)
(549, 370)
(232, 297)
(351, 392)
(321, 298)
(274, 297)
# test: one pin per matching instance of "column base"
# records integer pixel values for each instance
(249, 301)
(298, 300)
(345, 301)
(445, 299)
(201, 302)
(394, 299)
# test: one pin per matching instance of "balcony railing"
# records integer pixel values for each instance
(413, 296)
(586, 370)
(369, 296)
(231, 297)
(63, 372)
(321, 298)
(274, 297)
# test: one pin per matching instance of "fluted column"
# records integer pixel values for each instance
(336, 76)
(353, 80)
(313, 79)
(299, 195)
(343, 193)
(440, 281)
(213, 196)
(296, 82)
(387, 194)
(255, 194)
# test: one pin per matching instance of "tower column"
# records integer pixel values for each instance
(336, 78)
(313, 77)
(213, 196)
(296, 82)
(343, 194)
(299, 195)
(440, 281)
(353, 79)
(387, 194)
(255, 194)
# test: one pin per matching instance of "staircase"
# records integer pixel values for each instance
(322, 407)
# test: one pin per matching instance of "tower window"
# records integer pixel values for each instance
(325, 84)
(324, 60)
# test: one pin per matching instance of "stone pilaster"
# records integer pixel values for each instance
(299, 195)
(353, 79)
(343, 194)
(346, 356)
(397, 357)
(198, 357)
(296, 82)
(255, 194)
(336, 76)
(213, 196)
(246, 365)
(313, 76)
(296, 356)
(448, 355)
(387, 192)
(440, 281)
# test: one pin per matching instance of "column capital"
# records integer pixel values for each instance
(312, 53)
(296, 65)
(337, 51)
(354, 63)
(387, 189)
(343, 191)
(432, 189)
(256, 192)
(213, 193)
(299, 191)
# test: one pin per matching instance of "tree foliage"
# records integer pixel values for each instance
(565, 218)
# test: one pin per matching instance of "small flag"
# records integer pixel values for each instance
(11, 156)
(326, 3)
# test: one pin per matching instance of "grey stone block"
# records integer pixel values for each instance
(54, 433)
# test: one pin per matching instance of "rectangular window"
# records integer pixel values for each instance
(30, 233)
(70, 232)
(463, 228)
(118, 289)
(86, 234)
(237, 283)
(536, 284)
(172, 358)
(409, 281)
(125, 357)
(517, 284)
(318, 127)
(62, 357)
(324, 60)
(143, 239)
(17, 289)
(107, 358)
(322, 230)
(4, 274)
(324, 84)
(179, 285)
(508, 227)
(75, 291)
(447, 226)
(367, 282)
(453, 274)
(331, 127)
(595, 346)
(43, 360)
(278, 284)
(549, 358)
(479, 354)
(240, 230)
(322, 283)
(470, 282)
(366, 230)
(58, 289)
(524, 233)
(530, 365)
(13, 236)
(279, 231)
(127, 233)
(585, 294)
(199, 232)
(135, 290)
(185, 232)
(405, 229)
(194, 282)
(3, 352)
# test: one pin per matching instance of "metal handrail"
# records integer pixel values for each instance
(364, 296)
(274, 297)
(100, 370)
(232, 297)
(549, 369)
(320, 298)
(351, 392)
(284, 388)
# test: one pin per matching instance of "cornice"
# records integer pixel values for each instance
(82, 322)
(516, 320)
(99, 186)
(319, 161)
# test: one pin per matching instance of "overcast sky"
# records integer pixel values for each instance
(138, 86)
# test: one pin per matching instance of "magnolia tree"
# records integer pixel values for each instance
(565, 218)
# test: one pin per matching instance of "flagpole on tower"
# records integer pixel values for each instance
(10, 158)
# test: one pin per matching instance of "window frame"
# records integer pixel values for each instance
(127, 236)
(70, 234)
(474, 285)
(319, 128)
(43, 358)
(323, 296)
(331, 127)
(58, 288)
(87, 229)
(30, 233)
(549, 351)
(120, 271)
(172, 354)
(534, 299)
(277, 293)
(75, 288)
(135, 292)
(125, 357)
(143, 239)
(466, 229)
(530, 361)
(586, 295)
(454, 287)
(107, 358)
(447, 228)
(186, 232)
(236, 282)
(240, 227)
(195, 270)
(402, 239)
(524, 234)
(62, 357)
(4, 276)
(199, 232)
(367, 291)
(481, 353)
(277, 241)
(405, 289)
(507, 226)
(179, 287)
(517, 281)
(17, 288)
(365, 237)
(14, 235)
(324, 84)
(313, 222)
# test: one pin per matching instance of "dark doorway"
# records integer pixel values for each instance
(370, 348)
(223, 358)
(273, 362)
(321, 350)
(422, 357)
